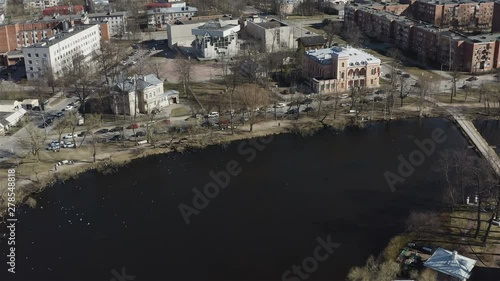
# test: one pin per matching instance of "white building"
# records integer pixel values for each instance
(117, 21)
(271, 36)
(179, 33)
(159, 17)
(216, 38)
(57, 53)
(41, 4)
(150, 95)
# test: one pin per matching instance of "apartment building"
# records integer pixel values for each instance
(117, 21)
(15, 36)
(40, 4)
(56, 53)
(465, 15)
(148, 90)
(158, 18)
(271, 36)
(216, 38)
(338, 69)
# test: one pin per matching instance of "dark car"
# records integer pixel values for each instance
(81, 134)
(116, 129)
(472, 78)
(44, 125)
(307, 101)
(379, 92)
(116, 138)
(60, 114)
(292, 111)
(399, 72)
(405, 75)
(140, 134)
(36, 108)
(463, 87)
(308, 109)
(102, 131)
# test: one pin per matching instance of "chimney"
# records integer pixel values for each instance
(65, 26)
(454, 255)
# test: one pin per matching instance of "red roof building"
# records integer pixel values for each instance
(63, 10)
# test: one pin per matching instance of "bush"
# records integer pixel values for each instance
(392, 250)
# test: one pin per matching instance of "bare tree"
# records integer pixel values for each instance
(252, 97)
(80, 76)
(35, 140)
(92, 122)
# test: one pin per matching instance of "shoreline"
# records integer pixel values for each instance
(109, 159)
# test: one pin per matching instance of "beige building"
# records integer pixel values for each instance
(271, 36)
(338, 69)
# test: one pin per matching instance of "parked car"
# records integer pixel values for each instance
(82, 134)
(379, 92)
(116, 138)
(44, 125)
(307, 101)
(70, 136)
(213, 114)
(292, 111)
(280, 105)
(68, 144)
(36, 108)
(68, 107)
(405, 75)
(140, 134)
(116, 129)
(53, 147)
(464, 86)
(344, 96)
(133, 126)
(60, 114)
(284, 92)
(388, 75)
(472, 78)
(378, 99)
(399, 72)
(102, 131)
(308, 109)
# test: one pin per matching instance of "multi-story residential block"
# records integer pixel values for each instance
(159, 17)
(56, 54)
(338, 69)
(13, 37)
(141, 94)
(216, 39)
(117, 21)
(271, 36)
(466, 15)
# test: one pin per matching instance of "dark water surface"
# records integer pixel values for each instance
(266, 220)
(490, 130)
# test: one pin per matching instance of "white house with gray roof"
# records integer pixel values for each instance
(216, 39)
(141, 94)
(159, 17)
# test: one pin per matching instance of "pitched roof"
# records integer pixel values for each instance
(126, 84)
(312, 40)
(451, 263)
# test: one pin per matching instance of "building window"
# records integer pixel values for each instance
(342, 66)
(29, 55)
(371, 81)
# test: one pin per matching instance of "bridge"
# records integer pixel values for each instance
(475, 137)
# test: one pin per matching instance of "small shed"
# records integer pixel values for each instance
(15, 117)
(451, 263)
(9, 105)
(28, 104)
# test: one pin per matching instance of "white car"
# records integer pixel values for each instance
(213, 114)
(69, 107)
(68, 144)
(344, 96)
(270, 109)
(70, 136)
(280, 105)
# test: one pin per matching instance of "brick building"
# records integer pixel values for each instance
(464, 15)
(338, 69)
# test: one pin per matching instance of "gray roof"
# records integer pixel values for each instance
(126, 84)
(270, 24)
(312, 40)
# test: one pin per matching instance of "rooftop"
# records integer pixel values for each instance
(126, 84)
(59, 37)
(202, 19)
(355, 56)
(271, 24)
(217, 24)
(172, 10)
(312, 40)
